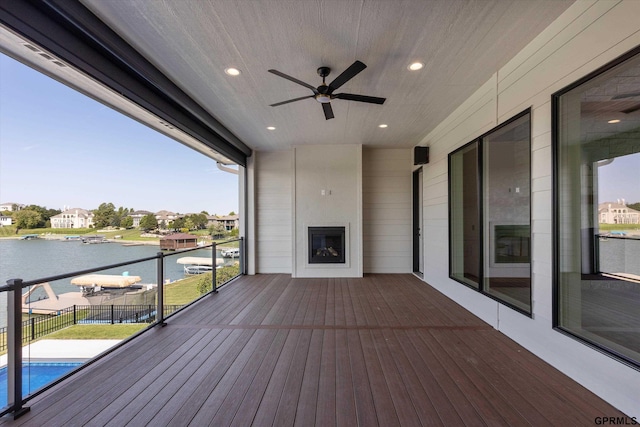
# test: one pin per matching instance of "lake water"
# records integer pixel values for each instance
(35, 259)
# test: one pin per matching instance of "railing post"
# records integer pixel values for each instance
(112, 314)
(14, 352)
(241, 255)
(214, 256)
(160, 276)
(75, 317)
(32, 323)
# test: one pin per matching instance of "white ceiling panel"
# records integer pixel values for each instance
(462, 43)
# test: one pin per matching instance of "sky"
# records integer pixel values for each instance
(61, 148)
(620, 179)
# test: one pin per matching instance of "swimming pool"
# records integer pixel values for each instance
(35, 375)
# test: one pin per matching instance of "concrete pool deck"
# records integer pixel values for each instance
(67, 350)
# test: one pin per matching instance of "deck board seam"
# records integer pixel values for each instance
(340, 327)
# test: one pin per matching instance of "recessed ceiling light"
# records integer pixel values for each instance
(271, 128)
(416, 66)
(614, 121)
(382, 126)
(232, 71)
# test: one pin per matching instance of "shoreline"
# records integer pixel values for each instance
(123, 242)
(60, 237)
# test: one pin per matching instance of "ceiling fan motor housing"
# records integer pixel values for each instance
(324, 71)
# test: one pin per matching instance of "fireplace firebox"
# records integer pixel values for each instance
(326, 245)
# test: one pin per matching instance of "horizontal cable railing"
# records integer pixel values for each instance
(19, 332)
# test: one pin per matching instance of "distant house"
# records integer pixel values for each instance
(5, 220)
(176, 241)
(73, 218)
(138, 215)
(165, 217)
(617, 213)
(10, 206)
(230, 222)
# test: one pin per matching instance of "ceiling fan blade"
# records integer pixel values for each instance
(346, 75)
(293, 79)
(291, 100)
(360, 98)
(328, 111)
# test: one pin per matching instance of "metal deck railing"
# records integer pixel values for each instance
(19, 332)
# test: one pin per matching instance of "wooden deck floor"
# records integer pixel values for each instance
(269, 350)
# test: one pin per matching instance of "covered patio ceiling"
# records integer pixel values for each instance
(461, 44)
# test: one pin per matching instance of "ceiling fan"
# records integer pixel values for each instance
(324, 93)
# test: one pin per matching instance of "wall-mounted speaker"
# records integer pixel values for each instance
(420, 155)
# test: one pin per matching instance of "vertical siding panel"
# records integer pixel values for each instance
(386, 196)
(273, 212)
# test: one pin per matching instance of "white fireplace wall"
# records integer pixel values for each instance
(327, 191)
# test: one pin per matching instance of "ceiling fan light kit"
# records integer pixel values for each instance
(324, 93)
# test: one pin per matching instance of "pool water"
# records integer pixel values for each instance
(35, 375)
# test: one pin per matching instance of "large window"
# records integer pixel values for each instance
(597, 199)
(465, 215)
(490, 199)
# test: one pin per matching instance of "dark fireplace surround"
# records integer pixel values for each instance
(326, 245)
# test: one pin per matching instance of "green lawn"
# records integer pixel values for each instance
(131, 234)
(182, 291)
(618, 227)
(97, 332)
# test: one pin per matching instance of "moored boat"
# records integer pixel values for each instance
(230, 253)
(94, 239)
(29, 237)
(198, 265)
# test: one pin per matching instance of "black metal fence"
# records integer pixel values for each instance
(37, 327)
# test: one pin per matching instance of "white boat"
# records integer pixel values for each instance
(197, 269)
(198, 265)
(95, 289)
(92, 283)
(94, 239)
(30, 237)
(230, 253)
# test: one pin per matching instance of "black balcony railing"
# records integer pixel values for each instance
(19, 332)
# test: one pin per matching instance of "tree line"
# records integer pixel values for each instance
(106, 215)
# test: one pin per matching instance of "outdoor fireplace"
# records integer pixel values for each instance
(326, 245)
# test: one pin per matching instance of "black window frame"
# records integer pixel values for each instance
(481, 235)
(555, 145)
